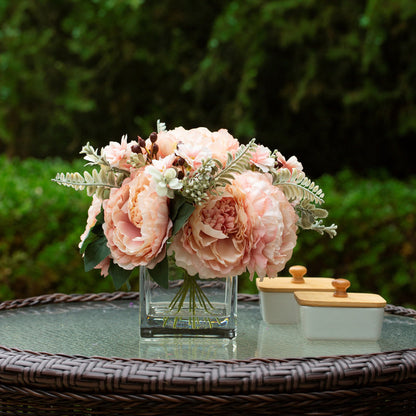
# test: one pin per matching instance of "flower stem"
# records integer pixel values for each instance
(196, 299)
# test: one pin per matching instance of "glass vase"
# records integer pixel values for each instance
(190, 307)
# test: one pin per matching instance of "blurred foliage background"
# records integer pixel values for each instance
(332, 82)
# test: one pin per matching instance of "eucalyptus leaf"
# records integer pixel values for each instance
(119, 275)
(160, 273)
(95, 252)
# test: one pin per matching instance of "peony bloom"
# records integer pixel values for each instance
(250, 226)
(118, 154)
(274, 224)
(291, 163)
(209, 144)
(167, 143)
(137, 223)
(216, 240)
(261, 158)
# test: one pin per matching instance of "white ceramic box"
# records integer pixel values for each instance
(277, 302)
(340, 315)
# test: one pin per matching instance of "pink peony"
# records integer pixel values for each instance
(118, 154)
(137, 224)
(251, 225)
(193, 154)
(167, 143)
(261, 158)
(216, 143)
(291, 163)
(93, 211)
(274, 224)
(215, 241)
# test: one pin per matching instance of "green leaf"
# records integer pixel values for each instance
(94, 233)
(180, 211)
(95, 252)
(119, 275)
(100, 218)
(91, 237)
(175, 205)
(160, 273)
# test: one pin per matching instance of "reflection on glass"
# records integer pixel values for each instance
(188, 348)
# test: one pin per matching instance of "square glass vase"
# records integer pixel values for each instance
(190, 307)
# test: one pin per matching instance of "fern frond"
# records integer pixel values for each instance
(95, 182)
(296, 186)
(235, 164)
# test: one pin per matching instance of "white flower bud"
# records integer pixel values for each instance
(169, 174)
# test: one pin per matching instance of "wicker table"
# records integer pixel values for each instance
(248, 375)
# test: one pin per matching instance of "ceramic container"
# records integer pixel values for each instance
(277, 303)
(340, 315)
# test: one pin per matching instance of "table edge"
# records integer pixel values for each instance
(94, 374)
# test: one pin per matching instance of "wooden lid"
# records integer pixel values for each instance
(295, 283)
(340, 298)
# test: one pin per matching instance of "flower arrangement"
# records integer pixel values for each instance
(220, 208)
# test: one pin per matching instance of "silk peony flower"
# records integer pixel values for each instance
(137, 223)
(193, 154)
(261, 158)
(118, 154)
(291, 163)
(216, 240)
(167, 143)
(251, 225)
(274, 224)
(218, 143)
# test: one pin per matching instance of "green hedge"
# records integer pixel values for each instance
(376, 243)
(40, 225)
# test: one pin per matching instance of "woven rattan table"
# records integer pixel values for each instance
(155, 379)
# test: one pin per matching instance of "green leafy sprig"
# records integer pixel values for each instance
(296, 186)
(310, 218)
(238, 163)
(94, 182)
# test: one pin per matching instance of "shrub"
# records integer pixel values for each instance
(40, 225)
(376, 243)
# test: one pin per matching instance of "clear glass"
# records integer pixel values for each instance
(188, 308)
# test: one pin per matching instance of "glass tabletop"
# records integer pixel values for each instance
(110, 329)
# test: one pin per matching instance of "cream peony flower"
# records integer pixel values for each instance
(137, 223)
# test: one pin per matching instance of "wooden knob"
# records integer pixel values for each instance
(297, 273)
(341, 286)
